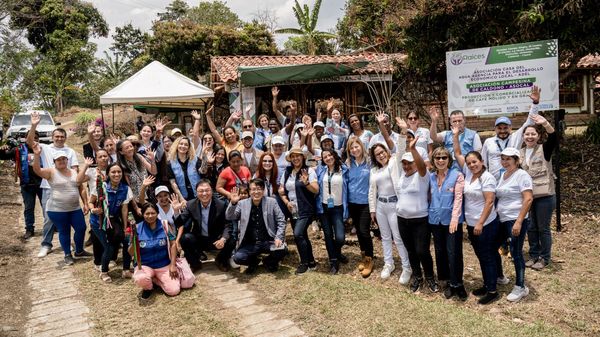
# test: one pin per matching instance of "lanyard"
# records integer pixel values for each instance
(268, 186)
(500, 147)
(329, 174)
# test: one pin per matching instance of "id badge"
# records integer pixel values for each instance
(330, 202)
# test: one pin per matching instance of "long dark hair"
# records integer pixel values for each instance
(337, 161)
(372, 154)
(123, 180)
(360, 121)
(260, 172)
(123, 162)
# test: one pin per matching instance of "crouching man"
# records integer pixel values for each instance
(261, 228)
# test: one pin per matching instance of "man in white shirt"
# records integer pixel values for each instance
(378, 138)
(59, 137)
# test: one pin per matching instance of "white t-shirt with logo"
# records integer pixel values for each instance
(412, 192)
(509, 194)
(474, 198)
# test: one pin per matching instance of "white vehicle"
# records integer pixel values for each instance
(21, 123)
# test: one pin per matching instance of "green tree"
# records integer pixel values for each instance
(187, 47)
(59, 31)
(176, 11)
(129, 42)
(214, 13)
(307, 20)
(113, 70)
(299, 44)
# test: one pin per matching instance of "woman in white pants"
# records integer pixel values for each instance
(382, 205)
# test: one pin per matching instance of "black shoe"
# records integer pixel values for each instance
(251, 269)
(334, 267)
(449, 292)
(144, 297)
(432, 285)
(416, 284)
(83, 254)
(203, 256)
(88, 242)
(28, 235)
(222, 265)
(343, 258)
(480, 291)
(69, 260)
(302, 268)
(196, 267)
(489, 298)
(312, 266)
(461, 292)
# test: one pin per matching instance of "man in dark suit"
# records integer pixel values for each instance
(205, 228)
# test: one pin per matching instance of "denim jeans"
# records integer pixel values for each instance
(29, 192)
(49, 228)
(448, 253)
(247, 254)
(538, 233)
(64, 221)
(108, 249)
(516, 248)
(361, 219)
(300, 227)
(485, 249)
(417, 238)
(333, 229)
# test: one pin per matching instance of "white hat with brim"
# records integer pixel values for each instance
(160, 189)
(319, 124)
(511, 151)
(326, 137)
(247, 134)
(277, 140)
(175, 131)
(294, 150)
(58, 154)
(407, 156)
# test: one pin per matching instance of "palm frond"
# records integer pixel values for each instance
(289, 31)
(315, 15)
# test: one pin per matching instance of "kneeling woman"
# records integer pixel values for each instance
(157, 256)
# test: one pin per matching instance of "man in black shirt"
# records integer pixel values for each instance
(261, 228)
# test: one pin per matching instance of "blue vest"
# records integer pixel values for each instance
(442, 199)
(115, 201)
(467, 138)
(192, 174)
(304, 198)
(153, 245)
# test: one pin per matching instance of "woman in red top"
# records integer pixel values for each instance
(233, 176)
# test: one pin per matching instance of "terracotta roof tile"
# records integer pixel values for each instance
(226, 67)
(589, 61)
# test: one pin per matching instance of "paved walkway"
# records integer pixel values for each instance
(255, 319)
(57, 308)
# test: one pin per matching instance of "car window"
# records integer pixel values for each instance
(26, 120)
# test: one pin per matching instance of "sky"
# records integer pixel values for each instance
(140, 13)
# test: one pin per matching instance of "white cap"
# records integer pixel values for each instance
(511, 151)
(278, 140)
(299, 126)
(325, 137)
(247, 134)
(408, 157)
(58, 154)
(319, 124)
(161, 188)
(175, 130)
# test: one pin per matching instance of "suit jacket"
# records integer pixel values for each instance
(191, 219)
(272, 215)
(253, 164)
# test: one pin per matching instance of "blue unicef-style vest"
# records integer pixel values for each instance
(115, 200)
(192, 174)
(467, 138)
(442, 199)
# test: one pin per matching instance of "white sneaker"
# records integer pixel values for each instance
(503, 280)
(405, 276)
(44, 251)
(233, 264)
(517, 294)
(387, 270)
(112, 264)
(98, 267)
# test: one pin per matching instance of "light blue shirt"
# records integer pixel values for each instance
(358, 182)
(205, 212)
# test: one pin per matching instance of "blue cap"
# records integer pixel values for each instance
(503, 120)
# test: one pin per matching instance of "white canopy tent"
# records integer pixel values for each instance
(157, 85)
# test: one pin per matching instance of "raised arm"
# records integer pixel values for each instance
(90, 133)
(380, 117)
(148, 161)
(149, 180)
(290, 126)
(421, 167)
(458, 155)
(81, 176)
(280, 116)
(35, 120)
(434, 114)
(212, 127)
(233, 118)
(45, 173)
(197, 121)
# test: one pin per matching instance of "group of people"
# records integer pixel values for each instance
(234, 190)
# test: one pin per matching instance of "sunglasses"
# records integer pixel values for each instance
(413, 118)
(267, 161)
(247, 126)
(441, 158)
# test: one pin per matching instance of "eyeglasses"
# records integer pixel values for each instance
(267, 161)
(247, 126)
(380, 154)
(413, 118)
(441, 158)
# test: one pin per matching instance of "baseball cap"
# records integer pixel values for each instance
(246, 134)
(325, 137)
(161, 188)
(175, 130)
(58, 154)
(408, 157)
(319, 124)
(503, 120)
(278, 140)
(511, 151)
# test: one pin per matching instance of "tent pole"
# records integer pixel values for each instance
(103, 124)
(241, 101)
(113, 118)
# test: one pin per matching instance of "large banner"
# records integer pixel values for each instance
(497, 80)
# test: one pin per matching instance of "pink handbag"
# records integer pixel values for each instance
(186, 277)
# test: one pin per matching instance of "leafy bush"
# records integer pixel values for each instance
(592, 133)
(82, 120)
